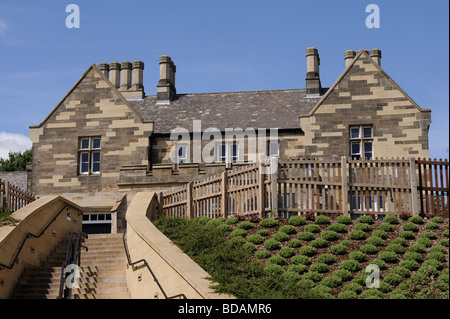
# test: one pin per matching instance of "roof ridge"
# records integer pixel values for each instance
(234, 92)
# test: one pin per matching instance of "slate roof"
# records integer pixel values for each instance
(254, 109)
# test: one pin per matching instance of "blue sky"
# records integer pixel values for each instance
(218, 46)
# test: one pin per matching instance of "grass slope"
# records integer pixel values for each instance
(320, 258)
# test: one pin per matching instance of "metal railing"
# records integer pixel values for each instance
(70, 265)
(132, 264)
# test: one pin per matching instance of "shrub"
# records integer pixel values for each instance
(308, 251)
(294, 243)
(297, 221)
(238, 232)
(202, 220)
(307, 236)
(319, 267)
(386, 227)
(322, 220)
(268, 223)
(357, 255)
(326, 259)
(277, 260)
(312, 275)
(339, 249)
(238, 240)
(366, 219)
(428, 270)
(406, 234)
(346, 242)
(398, 294)
(351, 265)
(245, 225)
(272, 244)
(213, 223)
(371, 294)
(319, 243)
(444, 242)
(255, 239)
(263, 232)
(300, 260)
(232, 220)
(413, 256)
(380, 233)
(363, 227)
(401, 271)
(410, 227)
(424, 241)
(393, 279)
(388, 256)
(347, 295)
(445, 233)
(305, 284)
(280, 236)
(225, 228)
(288, 229)
(331, 281)
(289, 276)
(273, 270)
(439, 249)
(437, 255)
(286, 252)
(299, 269)
(346, 220)
(312, 228)
(345, 275)
(330, 235)
(391, 219)
(357, 235)
(396, 248)
(374, 240)
(437, 219)
(368, 249)
(262, 254)
(380, 263)
(417, 248)
(416, 220)
(400, 241)
(409, 264)
(432, 225)
(321, 292)
(429, 235)
(432, 262)
(356, 288)
(249, 246)
(338, 228)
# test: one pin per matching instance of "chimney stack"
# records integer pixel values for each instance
(166, 86)
(104, 68)
(114, 73)
(349, 56)
(375, 54)
(125, 70)
(313, 85)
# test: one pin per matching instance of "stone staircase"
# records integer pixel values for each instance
(102, 272)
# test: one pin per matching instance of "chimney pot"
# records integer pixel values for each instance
(166, 86)
(313, 85)
(138, 75)
(104, 68)
(125, 69)
(114, 73)
(375, 54)
(349, 56)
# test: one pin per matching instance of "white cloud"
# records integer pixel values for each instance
(12, 142)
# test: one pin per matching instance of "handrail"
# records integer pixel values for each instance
(29, 235)
(183, 296)
(73, 256)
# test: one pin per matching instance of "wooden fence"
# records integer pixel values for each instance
(12, 197)
(292, 187)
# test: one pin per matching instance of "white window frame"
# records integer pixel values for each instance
(89, 150)
(277, 154)
(362, 141)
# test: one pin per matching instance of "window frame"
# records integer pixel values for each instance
(362, 140)
(90, 151)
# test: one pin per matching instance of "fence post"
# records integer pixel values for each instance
(224, 186)
(160, 204)
(7, 199)
(274, 185)
(413, 181)
(261, 191)
(344, 186)
(189, 208)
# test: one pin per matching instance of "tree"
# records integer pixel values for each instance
(17, 161)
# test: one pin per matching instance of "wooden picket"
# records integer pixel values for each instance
(13, 198)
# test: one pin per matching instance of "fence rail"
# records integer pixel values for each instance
(12, 197)
(377, 186)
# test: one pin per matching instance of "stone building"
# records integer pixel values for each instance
(106, 135)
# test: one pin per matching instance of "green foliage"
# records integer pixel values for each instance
(297, 221)
(410, 227)
(391, 219)
(312, 275)
(357, 255)
(363, 227)
(371, 294)
(393, 279)
(225, 228)
(203, 220)
(424, 241)
(277, 260)
(272, 244)
(386, 227)
(400, 241)
(301, 260)
(319, 243)
(357, 235)
(312, 228)
(396, 248)
(380, 263)
(238, 232)
(213, 223)
(346, 220)
(417, 248)
(294, 243)
(338, 228)
(249, 246)
(413, 256)
(286, 252)
(319, 267)
(406, 235)
(322, 220)
(416, 220)
(339, 249)
(374, 240)
(380, 233)
(16, 161)
(366, 219)
(369, 249)
(432, 225)
(262, 254)
(437, 256)
(280, 236)
(388, 256)
(331, 281)
(263, 232)
(345, 275)
(307, 236)
(444, 242)
(308, 251)
(299, 269)
(409, 264)
(440, 249)
(288, 229)
(255, 239)
(347, 295)
(330, 235)
(401, 271)
(432, 262)
(326, 259)
(246, 225)
(273, 270)
(437, 220)
(268, 223)
(351, 265)
(232, 220)
(429, 235)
